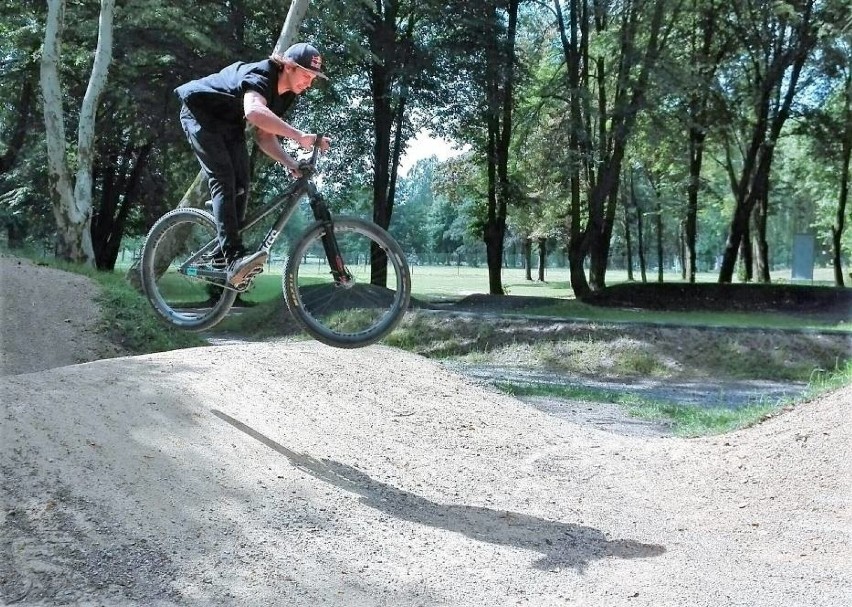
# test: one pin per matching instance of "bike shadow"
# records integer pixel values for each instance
(560, 544)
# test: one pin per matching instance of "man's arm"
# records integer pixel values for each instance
(272, 147)
(259, 115)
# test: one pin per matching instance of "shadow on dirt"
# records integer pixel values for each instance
(560, 544)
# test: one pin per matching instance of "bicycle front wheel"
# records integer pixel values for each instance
(178, 275)
(360, 308)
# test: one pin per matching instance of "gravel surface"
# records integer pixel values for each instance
(290, 473)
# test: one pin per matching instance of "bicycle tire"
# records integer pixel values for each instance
(180, 299)
(358, 313)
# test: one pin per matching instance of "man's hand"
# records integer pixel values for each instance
(292, 167)
(308, 140)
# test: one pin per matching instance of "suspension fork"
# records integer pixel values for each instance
(329, 242)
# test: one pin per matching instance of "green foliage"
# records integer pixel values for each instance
(129, 320)
(433, 58)
(127, 317)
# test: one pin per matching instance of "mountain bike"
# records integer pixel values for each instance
(346, 280)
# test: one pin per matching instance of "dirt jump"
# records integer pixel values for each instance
(290, 473)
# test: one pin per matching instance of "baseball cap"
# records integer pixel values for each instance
(307, 57)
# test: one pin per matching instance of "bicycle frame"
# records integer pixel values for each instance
(288, 202)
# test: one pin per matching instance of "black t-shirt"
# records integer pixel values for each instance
(218, 98)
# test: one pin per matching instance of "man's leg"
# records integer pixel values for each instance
(215, 156)
(240, 161)
(250, 265)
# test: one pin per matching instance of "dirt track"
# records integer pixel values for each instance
(302, 475)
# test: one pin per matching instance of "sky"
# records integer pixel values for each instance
(425, 145)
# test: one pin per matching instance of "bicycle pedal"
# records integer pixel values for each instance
(246, 282)
(254, 272)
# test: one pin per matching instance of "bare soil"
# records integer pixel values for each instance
(286, 472)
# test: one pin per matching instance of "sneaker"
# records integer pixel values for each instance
(244, 268)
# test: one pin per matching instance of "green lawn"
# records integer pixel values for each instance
(431, 283)
(457, 281)
(441, 282)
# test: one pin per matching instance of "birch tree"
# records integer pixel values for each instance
(72, 196)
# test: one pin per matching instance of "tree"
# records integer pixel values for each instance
(499, 87)
(829, 128)
(401, 51)
(610, 51)
(21, 155)
(778, 39)
(73, 205)
(708, 45)
(416, 199)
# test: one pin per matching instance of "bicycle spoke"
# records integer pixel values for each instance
(353, 314)
(177, 277)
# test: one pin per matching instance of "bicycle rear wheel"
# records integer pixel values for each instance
(178, 276)
(361, 309)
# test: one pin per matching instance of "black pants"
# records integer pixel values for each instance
(221, 150)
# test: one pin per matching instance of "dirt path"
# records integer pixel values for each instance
(47, 318)
(291, 473)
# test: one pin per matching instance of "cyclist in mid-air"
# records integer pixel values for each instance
(214, 114)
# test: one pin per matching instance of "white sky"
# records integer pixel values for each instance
(424, 145)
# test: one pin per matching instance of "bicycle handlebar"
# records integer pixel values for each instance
(308, 167)
(316, 151)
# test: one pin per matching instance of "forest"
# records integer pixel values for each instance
(673, 135)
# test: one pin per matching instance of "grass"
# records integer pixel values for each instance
(430, 283)
(827, 380)
(127, 317)
(765, 320)
(684, 420)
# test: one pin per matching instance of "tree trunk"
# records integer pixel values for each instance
(746, 255)
(761, 248)
(840, 218)
(500, 81)
(628, 243)
(658, 220)
(527, 250)
(118, 196)
(290, 30)
(707, 56)
(15, 234)
(603, 148)
(195, 196)
(15, 137)
(640, 232)
(391, 51)
(571, 47)
(542, 258)
(64, 208)
(73, 209)
(690, 231)
(493, 234)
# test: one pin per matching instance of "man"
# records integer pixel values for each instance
(214, 115)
